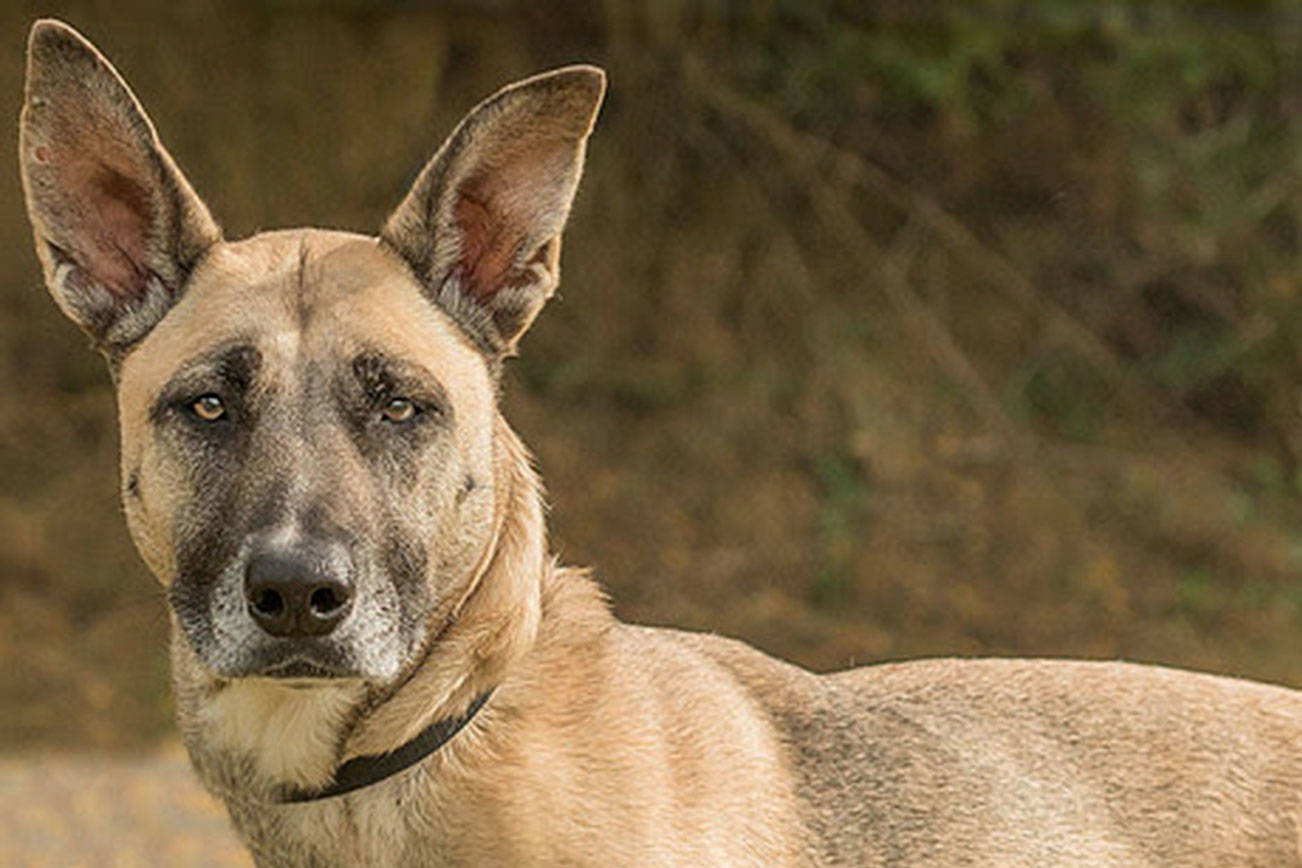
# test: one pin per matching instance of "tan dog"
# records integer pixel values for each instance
(351, 537)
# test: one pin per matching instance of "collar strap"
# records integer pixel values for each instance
(363, 771)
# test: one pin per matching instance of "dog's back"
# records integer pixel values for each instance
(1035, 762)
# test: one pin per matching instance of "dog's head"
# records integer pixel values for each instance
(307, 417)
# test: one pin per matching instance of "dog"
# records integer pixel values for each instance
(377, 661)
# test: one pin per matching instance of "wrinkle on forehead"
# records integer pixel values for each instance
(301, 293)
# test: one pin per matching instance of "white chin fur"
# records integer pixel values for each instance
(291, 731)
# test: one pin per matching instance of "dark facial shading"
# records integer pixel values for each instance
(315, 452)
(393, 448)
(395, 452)
(405, 561)
(383, 378)
(208, 542)
(228, 371)
(332, 518)
(212, 454)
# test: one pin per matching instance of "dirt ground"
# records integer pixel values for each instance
(70, 810)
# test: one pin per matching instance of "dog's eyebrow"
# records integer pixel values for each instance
(232, 365)
(383, 375)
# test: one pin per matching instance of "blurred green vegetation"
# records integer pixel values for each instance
(887, 329)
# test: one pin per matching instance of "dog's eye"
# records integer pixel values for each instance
(399, 410)
(209, 408)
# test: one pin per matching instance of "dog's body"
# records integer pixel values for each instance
(621, 745)
(353, 544)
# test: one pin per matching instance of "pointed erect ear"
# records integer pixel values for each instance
(117, 226)
(481, 227)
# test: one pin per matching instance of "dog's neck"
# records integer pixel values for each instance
(287, 736)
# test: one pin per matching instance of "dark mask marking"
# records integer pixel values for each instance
(229, 370)
(383, 378)
(203, 552)
(405, 562)
(394, 449)
(215, 457)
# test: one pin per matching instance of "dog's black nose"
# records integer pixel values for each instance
(295, 594)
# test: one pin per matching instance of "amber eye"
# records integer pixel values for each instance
(209, 408)
(399, 410)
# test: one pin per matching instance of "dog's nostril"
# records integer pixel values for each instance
(269, 602)
(324, 602)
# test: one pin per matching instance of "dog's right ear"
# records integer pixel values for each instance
(117, 226)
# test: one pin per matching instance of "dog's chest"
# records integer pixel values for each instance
(250, 737)
(380, 827)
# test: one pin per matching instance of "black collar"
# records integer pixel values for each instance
(363, 771)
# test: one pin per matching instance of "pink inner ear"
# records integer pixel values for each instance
(519, 196)
(123, 210)
(103, 215)
(488, 245)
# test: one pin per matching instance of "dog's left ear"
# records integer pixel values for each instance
(481, 227)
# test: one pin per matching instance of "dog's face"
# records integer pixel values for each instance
(307, 417)
(305, 423)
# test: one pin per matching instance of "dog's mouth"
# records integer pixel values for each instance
(299, 662)
(301, 669)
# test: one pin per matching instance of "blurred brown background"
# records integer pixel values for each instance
(886, 329)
